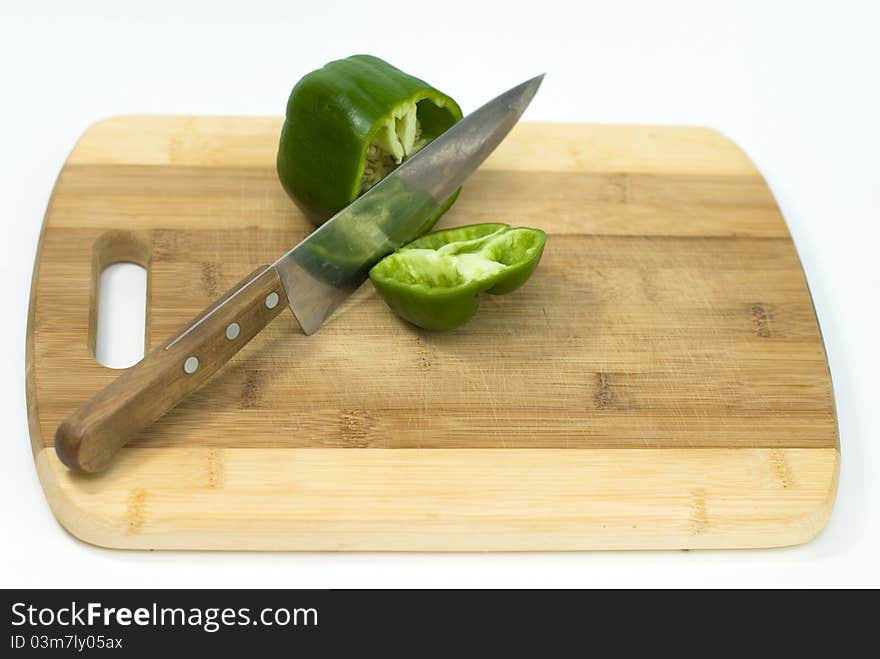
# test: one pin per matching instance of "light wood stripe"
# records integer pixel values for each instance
(532, 146)
(464, 500)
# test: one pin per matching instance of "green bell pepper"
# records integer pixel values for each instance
(435, 281)
(348, 125)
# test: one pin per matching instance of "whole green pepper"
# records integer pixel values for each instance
(348, 125)
(435, 281)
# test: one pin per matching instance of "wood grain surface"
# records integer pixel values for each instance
(660, 382)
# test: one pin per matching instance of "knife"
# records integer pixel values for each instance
(312, 278)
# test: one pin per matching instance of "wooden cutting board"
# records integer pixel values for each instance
(660, 382)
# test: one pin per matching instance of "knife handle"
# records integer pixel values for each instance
(89, 438)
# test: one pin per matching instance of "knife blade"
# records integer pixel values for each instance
(314, 277)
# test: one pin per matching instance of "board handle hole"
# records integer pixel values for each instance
(118, 325)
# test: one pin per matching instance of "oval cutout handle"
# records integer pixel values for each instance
(120, 334)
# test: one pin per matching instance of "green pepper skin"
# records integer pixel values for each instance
(435, 281)
(333, 116)
(440, 312)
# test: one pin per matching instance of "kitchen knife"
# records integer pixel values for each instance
(313, 278)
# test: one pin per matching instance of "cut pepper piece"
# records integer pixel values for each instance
(348, 125)
(435, 281)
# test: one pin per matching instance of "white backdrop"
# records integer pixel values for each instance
(794, 83)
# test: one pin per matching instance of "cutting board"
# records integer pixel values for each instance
(660, 382)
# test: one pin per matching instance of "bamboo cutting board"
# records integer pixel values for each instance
(661, 381)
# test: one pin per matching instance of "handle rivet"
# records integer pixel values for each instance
(232, 331)
(271, 300)
(191, 365)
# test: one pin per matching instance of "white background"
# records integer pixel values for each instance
(796, 84)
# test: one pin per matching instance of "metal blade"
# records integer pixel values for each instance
(319, 273)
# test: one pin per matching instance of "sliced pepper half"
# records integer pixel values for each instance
(435, 281)
(349, 124)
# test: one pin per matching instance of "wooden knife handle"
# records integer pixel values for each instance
(89, 438)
